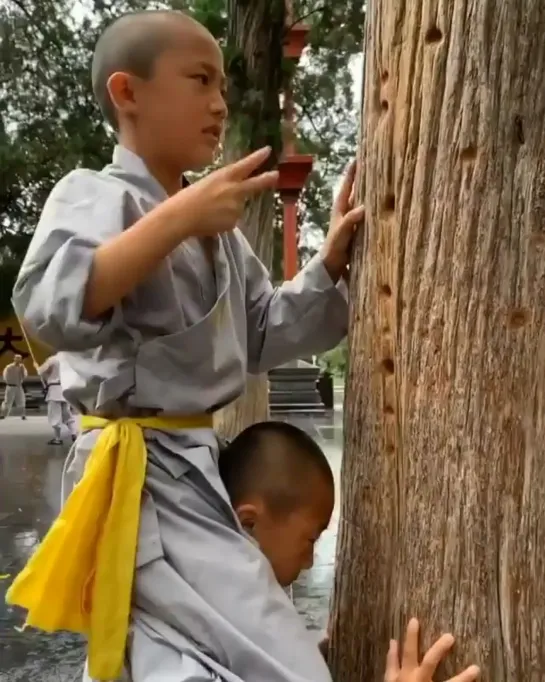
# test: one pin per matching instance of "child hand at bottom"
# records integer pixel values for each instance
(411, 670)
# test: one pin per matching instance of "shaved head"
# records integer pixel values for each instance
(132, 44)
(282, 491)
(276, 461)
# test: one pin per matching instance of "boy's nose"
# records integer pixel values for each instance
(219, 107)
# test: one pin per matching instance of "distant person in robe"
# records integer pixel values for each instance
(14, 376)
(58, 410)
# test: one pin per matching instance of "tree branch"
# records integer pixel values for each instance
(32, 22)
(304, 16)
(23, 9)
(311, 121)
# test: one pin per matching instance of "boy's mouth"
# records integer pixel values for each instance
(214, 132)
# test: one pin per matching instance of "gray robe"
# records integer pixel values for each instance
(206, 603)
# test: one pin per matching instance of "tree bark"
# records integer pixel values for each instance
(443, 511)
(255, 69)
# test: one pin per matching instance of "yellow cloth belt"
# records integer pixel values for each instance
(81, 576)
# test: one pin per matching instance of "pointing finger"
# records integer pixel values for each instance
(353, 217)
(240, 170)
(259, 183)
(392, 662)
(410, 646)
(342, 203)
(468, 675)
(435, 654)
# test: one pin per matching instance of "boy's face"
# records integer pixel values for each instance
(288, 539)
(179, 113)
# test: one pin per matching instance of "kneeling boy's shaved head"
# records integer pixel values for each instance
(281, 487)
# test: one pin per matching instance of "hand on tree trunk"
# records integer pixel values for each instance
(410, 670)
(344, 221)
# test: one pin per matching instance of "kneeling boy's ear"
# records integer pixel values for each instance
(247, 515)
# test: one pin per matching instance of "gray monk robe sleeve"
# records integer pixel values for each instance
(83, 211)
(302, 317)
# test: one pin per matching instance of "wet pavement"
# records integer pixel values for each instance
(30, 481)
(312, 590)
(30, 476)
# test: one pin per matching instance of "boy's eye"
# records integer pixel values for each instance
(203, 78)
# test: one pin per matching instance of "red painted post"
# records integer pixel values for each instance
(291, 264)
(294, 168)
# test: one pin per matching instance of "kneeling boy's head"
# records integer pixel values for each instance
(158, 78)
(282, 490)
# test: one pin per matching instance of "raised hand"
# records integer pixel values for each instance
(344, 220)
(411, 670)
(215, 203)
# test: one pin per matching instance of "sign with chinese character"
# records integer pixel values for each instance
(12, 342)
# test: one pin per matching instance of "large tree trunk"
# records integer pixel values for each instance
(443, 513)
(255, 69)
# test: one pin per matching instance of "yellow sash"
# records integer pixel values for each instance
(81, 576)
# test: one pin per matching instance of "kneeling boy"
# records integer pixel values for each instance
(282, 490)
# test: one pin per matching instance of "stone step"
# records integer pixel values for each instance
(297, 408)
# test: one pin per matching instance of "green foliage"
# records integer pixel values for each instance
(335, 360)
(50, 124)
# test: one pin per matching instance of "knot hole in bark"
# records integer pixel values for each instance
(468, 154)
(433, 35)
(517, 318)
(386, 290)
(388, 205)
(388, 366)
(519, 130)
(384, 104)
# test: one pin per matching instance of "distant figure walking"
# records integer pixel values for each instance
(58, 410)
(14, 376)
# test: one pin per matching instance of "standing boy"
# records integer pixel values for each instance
(162, 309)
(14, 376)
(58, 410)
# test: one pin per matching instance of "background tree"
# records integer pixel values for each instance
(256, 73)
(444, 475)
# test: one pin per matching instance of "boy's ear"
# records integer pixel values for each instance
(248, 515)
(121, 88)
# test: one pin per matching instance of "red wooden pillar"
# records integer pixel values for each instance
(291, 260)
(294, 168)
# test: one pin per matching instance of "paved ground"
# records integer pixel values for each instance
(30, 473)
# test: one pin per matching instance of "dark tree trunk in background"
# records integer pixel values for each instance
(255, 70)
(443, 512)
